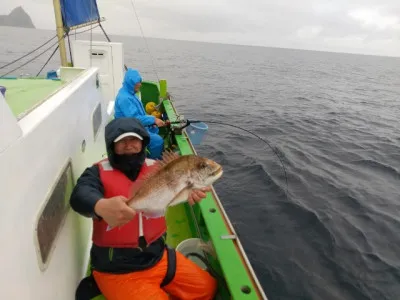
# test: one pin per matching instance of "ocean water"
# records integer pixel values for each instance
(334, 120)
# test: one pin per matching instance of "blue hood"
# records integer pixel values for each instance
(131, 78)
(128, 105)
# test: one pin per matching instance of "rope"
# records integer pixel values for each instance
(30, 52)
(86, 30)
(70, 51)
(48, 60)
(148, 49)
(83, 31)
(41, 53)
(105, 34)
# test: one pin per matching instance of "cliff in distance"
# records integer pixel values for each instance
(17, 18)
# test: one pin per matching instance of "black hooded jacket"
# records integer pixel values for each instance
(89, 189)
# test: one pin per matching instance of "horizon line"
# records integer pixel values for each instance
(99, 32)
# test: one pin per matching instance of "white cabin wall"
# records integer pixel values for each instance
(108, 57)
(51, 134)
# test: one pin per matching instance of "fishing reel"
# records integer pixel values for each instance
(174, 128)
(177, 129)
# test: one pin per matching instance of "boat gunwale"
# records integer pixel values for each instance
(236, 241)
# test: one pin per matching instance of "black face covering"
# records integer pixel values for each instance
(129, 164)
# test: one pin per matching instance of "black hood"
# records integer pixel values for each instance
(128, 164)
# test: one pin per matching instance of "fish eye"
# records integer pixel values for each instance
(203, 165)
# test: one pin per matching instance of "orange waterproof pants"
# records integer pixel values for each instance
(190, 282)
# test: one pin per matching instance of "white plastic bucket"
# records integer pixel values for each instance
(192, 246)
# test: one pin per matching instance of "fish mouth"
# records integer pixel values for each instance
(217, 171)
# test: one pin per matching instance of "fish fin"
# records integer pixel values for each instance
(167, 157)
(140, 181)
(136, 185)
(152, 170)
(181, 197)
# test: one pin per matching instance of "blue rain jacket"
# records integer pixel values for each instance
(127, 104)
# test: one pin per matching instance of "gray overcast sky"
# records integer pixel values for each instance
(358, 26)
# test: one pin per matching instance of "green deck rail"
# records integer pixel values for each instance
(233, 267)
(208, 216)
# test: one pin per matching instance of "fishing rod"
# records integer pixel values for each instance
(187, 122)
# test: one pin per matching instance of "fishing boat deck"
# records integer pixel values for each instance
(23, 94)
(179, 226)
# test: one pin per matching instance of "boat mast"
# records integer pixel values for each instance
(60, 33)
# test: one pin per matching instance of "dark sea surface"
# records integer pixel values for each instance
(333, 118)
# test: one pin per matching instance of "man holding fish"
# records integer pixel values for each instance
(127, 195)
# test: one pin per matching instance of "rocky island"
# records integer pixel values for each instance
(17, 18)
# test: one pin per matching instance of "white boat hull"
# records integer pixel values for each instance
(34, 151)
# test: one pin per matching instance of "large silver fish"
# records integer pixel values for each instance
(175, 177)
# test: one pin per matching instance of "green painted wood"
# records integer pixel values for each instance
(229, 259)
(163, 88)
(149, 92)
(23, 94)
(211, 224)
(178, 224)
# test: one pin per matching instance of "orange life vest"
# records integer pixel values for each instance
(117, 184)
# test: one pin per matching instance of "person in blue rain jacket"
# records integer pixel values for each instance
(127, 104)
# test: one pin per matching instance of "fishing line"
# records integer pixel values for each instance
(188, 122)
(145, 40)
